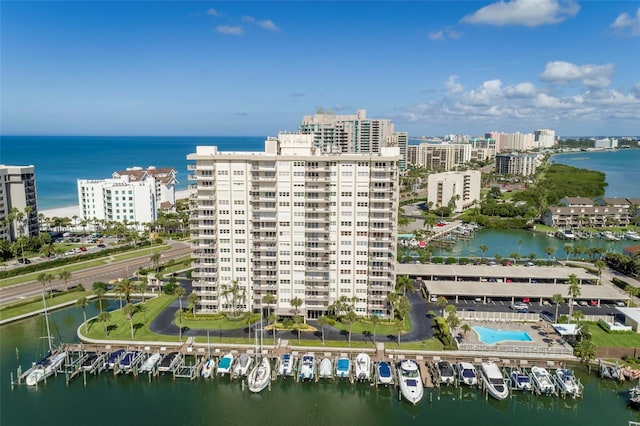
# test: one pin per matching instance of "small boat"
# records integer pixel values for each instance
(520, 381)
(467, 374)
(410, 381)
(567, 382)
(493, 380)
(45, 368)
(446, 375)
(634, 396)
(286, 365)
(609, 236)
(89, 362)
(605, 372)
(550, 234)
(207, 368)
(242, 365)
(542, 380)
(632, 235)
(150, 363)
(307, 367)
(260, 376)
(169, 361)
(129, 360)
(343, 367)
(325, 370)
(363, 367)
(383, 371)
(224, 365)
(113, 359)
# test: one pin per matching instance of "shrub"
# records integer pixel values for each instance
(437, 260)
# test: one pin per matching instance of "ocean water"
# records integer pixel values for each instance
(61, 160)
(622, 168)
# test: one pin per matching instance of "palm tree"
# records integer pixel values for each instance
(105, 317)
(43, 278)
(568, 249)
(273, 319)
(403, 306)
(574, 291)
(155, 261)
(141, 287)
(125, 288)
(557, 299)
(483, 249)
(192, 301)
(549, 251)
(130, 310)
(399, 326)
(600, 265)
(351, 317)
(179, 292)
(465, 329)
(441, 303)
(83, 303)
(65, 276)
(577, 315)
(269, 299)
(296, 302)
(392, 299)
(178, 319)
(297, 321)
(403, 282)
(234, 291)
(519, 246)
(374, 321)
(322, 321)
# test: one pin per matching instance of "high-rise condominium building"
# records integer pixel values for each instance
(120, 199)
(165, 182)
(18, 202)
(296, 222)
(544, 138)
(460, 190)
(444, 156)
(354, 133)
(517, 163)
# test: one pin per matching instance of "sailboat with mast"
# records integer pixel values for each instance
(54, 359)
(260, 376)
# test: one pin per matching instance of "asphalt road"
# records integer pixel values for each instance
(105, 273)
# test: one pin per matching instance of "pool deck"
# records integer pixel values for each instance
(541, 333)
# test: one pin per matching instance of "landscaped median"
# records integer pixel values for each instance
(34, 305)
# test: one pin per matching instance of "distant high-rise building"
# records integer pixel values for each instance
(443, 157)
(517, 163)
(545, 138)
(165, 182)
(606, 143)
(294, 221)
(461, 190)
(353, 133)
(18, 202)
(512, 141)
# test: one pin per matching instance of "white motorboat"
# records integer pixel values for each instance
(493, 380)
(567, 382)
(609, 236)
(286, 365)
(343, 367)
(632, 235)
(325, 370)
(260, 375)
(410, 381)
(446, 375)
(383, 370)
(150, 363)
(467, 374)
(225, 363)
(542, 380)
(363, 367)
(519, 380)
(45, 368)
(307, 367)
(207, 368)
(243, 364)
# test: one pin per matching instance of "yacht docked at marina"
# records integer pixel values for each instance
(410, 381)
(493, 380)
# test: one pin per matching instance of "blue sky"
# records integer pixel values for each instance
(254, 68)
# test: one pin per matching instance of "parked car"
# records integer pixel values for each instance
(519, 306)
(83, 249)
(24, 261)
(529, 264)
(101, 246)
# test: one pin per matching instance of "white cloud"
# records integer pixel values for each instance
(530, 13)
(268, 24)
(496, 105)
(230, 30)
(444, 34)
(212, 12)
(626, 22)
(439, 35)
(589, 75)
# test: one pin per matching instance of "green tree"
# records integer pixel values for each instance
(351, 318)
(404, 283)
(392, 299)
(192, 303)
(82, 303)
(322, 321)
(574, 292)
(483, 249)
(298, 323)
(269, 299)
(568, 249)
(585, 349)
(125, 288)
(273, 319)
(399, 326)
(557, 299)
(466, 328)
(155, 261)
(179, 292)
(65, 275)
(600, 265)
(549, 251)
(141, 288)
(178, 318)
(374, 321)
(104, 317)
(130, 310)
(296, 302)
(441, 302)
(99, 292)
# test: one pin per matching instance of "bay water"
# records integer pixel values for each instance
(108, 400)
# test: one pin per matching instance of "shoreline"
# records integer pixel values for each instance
(71, 211)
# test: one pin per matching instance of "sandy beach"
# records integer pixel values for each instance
(70, 211)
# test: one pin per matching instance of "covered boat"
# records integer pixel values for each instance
(325, 370)
(243, 364)
(519, 380)
(467, 374)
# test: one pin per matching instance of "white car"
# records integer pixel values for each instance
(70, 252)
(519, 306)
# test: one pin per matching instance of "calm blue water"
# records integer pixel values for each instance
(61, 160)
(491, 335)
(622, 168)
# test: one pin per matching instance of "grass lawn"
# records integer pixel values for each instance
(432, 344)
(215, 324)
(147, 251)
(613, 340)
(36, 304)
(120, 328)
(383, 327)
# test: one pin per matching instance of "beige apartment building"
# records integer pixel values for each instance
(18, 191)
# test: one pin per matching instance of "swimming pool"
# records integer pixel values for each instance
(490, 336)
(406, 236)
